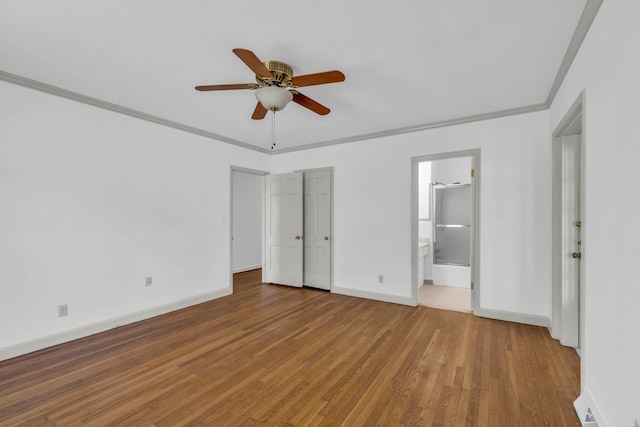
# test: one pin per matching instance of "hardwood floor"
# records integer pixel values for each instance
(295, 357)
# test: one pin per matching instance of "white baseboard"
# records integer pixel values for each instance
(97, 327)
(583, 404)
(373, 295)
(248, 268)
(511, 316)
(94, 328)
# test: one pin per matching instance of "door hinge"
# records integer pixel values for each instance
(471, 285)
(473, 173)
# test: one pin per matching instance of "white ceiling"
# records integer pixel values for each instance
(407, 62)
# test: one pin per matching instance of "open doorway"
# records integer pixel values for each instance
(444, 240)
(247, 187)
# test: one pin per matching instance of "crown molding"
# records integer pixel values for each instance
(64, 93)
(586, 19)
(54, 90)
(417, 128)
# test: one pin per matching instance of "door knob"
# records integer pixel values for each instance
(577, 255)
(326, 237)
(298, 237)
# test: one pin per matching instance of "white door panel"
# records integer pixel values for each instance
(284, 229)
(571, 160)
(317, 228)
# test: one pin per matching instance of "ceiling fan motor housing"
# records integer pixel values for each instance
(281, 74)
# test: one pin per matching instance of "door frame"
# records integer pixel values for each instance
(573, 123)
(474, 154)
(233, 169)
(330, 170)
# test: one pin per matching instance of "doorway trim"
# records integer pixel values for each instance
(573, 123)
(474, 154)
(233, 169)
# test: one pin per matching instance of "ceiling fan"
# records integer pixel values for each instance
(276, 85)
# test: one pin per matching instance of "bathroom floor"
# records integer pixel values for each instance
(445, 297)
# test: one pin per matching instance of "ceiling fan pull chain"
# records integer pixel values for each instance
(273, 128)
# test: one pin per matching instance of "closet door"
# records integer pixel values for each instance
(317, 229)
(284, 229)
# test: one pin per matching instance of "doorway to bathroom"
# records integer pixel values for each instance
(445, 218)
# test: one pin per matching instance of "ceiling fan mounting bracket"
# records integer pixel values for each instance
(281, 74)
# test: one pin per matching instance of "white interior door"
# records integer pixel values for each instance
(317, 229)
(571, 241)
(284, 229)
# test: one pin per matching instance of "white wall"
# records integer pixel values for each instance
(247, 221)
(93, 202)
(607, 68)
(372, 216)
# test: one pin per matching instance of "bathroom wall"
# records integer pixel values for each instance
(449, 171)
(425, 229)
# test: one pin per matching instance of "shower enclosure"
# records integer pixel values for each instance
(452, 224)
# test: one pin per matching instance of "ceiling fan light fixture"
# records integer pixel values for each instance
(273, 98)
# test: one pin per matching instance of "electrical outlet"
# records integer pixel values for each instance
(63, 310)
(381, 279)
(149, 280)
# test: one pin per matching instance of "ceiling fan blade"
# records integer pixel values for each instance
(227, 87)
(259, 113)
(309, 103)
(252, 62)
(334, 76)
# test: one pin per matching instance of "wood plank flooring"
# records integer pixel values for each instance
(279, 356)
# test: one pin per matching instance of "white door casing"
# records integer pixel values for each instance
(284, 229)
(317, 229)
